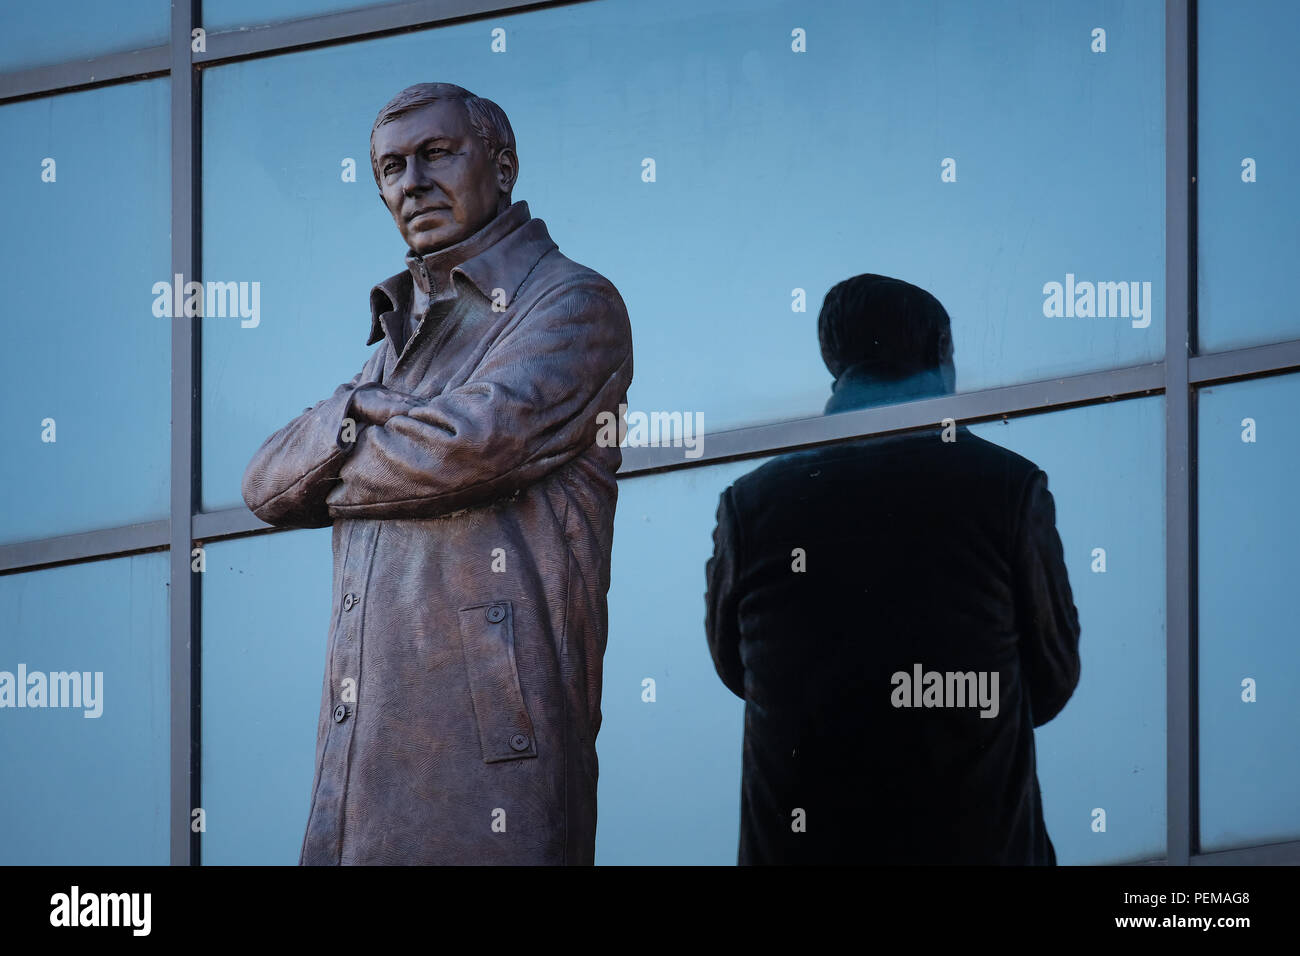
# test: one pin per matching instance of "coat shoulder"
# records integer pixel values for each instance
(556, 271)
(970, 455)
(564, 288)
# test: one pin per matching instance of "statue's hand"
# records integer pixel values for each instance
(377, 404)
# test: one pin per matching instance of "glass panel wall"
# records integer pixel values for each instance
(88, 363)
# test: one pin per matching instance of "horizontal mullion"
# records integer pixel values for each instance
(366, 23)
(962, 407)
(232, 45)
(1271, 854)
(1211, 367)
(753, 441)
(227, 523)
(81, 74)
(758, 440)
(86, 546)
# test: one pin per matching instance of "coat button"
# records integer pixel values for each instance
(496, 613)
(350, 600)
(340, 714)
(519, 742)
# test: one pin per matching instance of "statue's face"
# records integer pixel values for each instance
(436, 176)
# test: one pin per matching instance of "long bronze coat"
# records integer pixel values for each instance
(472, 544)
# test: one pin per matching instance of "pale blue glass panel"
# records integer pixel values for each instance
(669, 770)
(1248, 74)
(266, 606)
(88, 790)
(40, 34)
(78, 260)
(1248, 556)
(775, 171)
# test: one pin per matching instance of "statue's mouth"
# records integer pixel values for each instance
(426, 211)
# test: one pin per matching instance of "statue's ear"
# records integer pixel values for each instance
(507, 165)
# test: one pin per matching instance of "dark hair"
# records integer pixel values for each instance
(487, 119)
(898, 327)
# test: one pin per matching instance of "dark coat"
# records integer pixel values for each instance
(918, 551)
(471, 563)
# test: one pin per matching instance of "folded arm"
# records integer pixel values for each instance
(290, 475)
(530, 407)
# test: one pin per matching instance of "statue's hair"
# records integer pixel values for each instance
(488, 120)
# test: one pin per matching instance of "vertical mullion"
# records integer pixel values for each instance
(1180, 579)
(183, 599)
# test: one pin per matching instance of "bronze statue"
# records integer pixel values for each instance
(473, 515)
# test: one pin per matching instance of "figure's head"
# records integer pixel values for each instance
(890, 328)
(445, 163)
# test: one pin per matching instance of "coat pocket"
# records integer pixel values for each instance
(487, 637)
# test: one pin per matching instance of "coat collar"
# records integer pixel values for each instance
(498, 256)
(865, 384)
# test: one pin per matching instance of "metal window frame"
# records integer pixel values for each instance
(1180, 424)
(1179, 377)
(186, 594)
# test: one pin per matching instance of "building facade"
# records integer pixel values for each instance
(1101, 193)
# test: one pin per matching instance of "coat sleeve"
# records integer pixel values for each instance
(532, 404)
(288, 478)
(1048, 619)
(721, 598)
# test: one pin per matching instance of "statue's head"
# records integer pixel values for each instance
(889, 332)
(445, 163)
